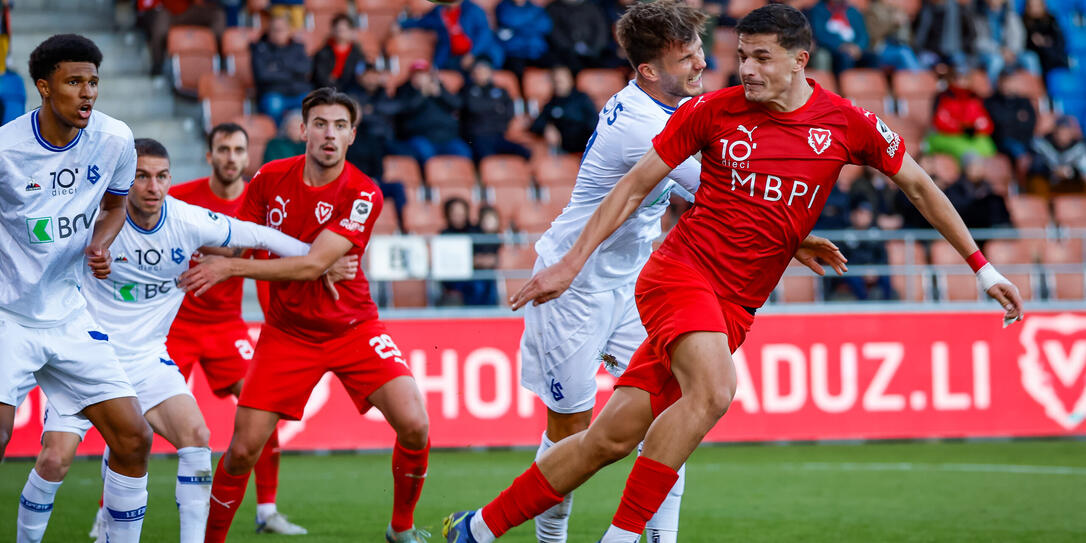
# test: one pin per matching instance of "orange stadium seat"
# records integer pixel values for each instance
(235, 51)
(370, 44)
(979, 82)
(511, 285)
(600, 84)
(532, 218)
(193, 52)
(508, 201)
(911, 131)
(423, 218)
(915, 93)
(824, 78)
(959, 284)
(377, 22)
(370, 5)
(799, 288)
(452, 80)
(418, 8)
(555, 198)
(517, 257)
(404, 169)
(260, 128)
(538, 89)
(504, 79)
(1028, 211)
(410, 293)
(1070, 210)
(518, 132)
(556, 170)
(866, 87)
(908, 287)
(449, 171)
(406, 47)
(386, 221)
(1006, 253)
(1000, 172)
(1065, 284)
(439, 195)
(505, 171)
(222, 97)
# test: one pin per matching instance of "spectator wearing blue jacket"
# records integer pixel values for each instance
(463, 34)
(840, 29)
(522, 31)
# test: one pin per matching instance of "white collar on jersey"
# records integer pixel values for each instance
(41, 140)
(667, 109)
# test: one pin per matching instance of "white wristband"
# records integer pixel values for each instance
(988, 277)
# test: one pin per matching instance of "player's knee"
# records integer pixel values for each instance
(608, 450)
(198, 436)
(133, 443)
(718, 399)
(5, 436)
(52, 464)
(242, 456)
(414, 433)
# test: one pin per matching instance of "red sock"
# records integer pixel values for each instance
(227, 492)
(267, 470)
(408, 475)
(528, 496)
(646, 487)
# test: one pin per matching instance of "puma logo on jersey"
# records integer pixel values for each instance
(699, 102)
(367, 194)
(277, 214)
(749, 133)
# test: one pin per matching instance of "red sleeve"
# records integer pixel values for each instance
(254, 208)
(872, 142)
(356, 213)
(686, 131)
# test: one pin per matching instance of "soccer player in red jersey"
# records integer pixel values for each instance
(771, 150)
(209, 330)
(321, 199)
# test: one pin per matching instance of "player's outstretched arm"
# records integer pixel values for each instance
(110, 220)
(323, 253)
(937, 209)
(814, 248)
(248, 235)
(619, 204)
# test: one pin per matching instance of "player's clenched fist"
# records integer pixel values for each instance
(98, 260)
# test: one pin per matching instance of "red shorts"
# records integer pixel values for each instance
(285, 368)
(223, 350)
(675, 299)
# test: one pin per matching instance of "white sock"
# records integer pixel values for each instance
(479, 530)
(265, 510)
(125, 500)
(663, 527)
(35, 506)
(618, 535)
(193, 492)
(552, 525)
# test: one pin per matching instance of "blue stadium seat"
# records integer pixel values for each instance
(13, 94)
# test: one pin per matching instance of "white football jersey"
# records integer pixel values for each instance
(623, 135)
(49, 199)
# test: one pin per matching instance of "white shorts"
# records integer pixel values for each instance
(73, 363)
(155, 379)
(566, 339)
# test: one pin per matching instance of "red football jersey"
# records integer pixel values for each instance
(349, 206)
(223, 301)
(765, 176)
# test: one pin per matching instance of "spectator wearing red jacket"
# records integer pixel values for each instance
(961, 123)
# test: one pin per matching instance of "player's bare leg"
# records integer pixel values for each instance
(36, 500)
(252, 427)
(400, 402)
(179, 420)
(7, 425)
(552, 526)
(128, 436)
(702, 364)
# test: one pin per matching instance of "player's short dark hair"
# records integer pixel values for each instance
(647, 30)
(328, 96)
(791, 27)
(225, 129)
(151, 147)
(342, 17)
(62, 48)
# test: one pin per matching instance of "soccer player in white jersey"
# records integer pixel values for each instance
(136, 306)
(64, 172)
(596, 320)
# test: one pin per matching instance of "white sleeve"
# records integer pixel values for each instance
(125, 172)
(688, 175)
(249, 235)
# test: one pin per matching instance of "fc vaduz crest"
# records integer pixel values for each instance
(818, 139)
(323, 211)
(1052, 366)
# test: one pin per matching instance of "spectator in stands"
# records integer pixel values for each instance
(874, 188)
(834, 214)
(581, 34)
(1060, 166)
(1001, 40)
(569, 119)
(1044, 36)
(289, 141)
(485, 257)
(280, 70)
(335, 64)
(1014, 120)
(522, 31)
(293, 10)
(155, 17)
(463, 34)
(487, 110)
(961, 123)
(944, 33)
(861, 251)
(840, 29)
(426, 120)
(976, 199)
(374, 135)
(458, 222)
(889, 30)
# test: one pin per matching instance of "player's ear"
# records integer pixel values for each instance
(43, 88)
(354, 132)
(802, 58)
(648, 70)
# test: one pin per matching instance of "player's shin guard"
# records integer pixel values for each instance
(266, 472)
(193, 491)
(125, 501)
(647, 486)
(227, 491)
(552, 526)
(35, 506)
(664, 525)
(528, 496)
(408, 475)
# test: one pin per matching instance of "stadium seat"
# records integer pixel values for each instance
(912, 132)
(508, 200)
(1033, 87)
(313, 40)
(377, 22)
(386, 221)
(505, 171)
(824, 78)
(452, 80)
(511, 285)
(909, 286)
(538, 89)
(799, 288)
(423, 218)
(439, 195)
(600, 84)
(979, 82)
(1068, 283)
(555, 199)
(406, 47)
(235, 51)
(866, 87)
(370, 44)
(517, 257)
(1028, 211)
(222, 97)
(552, 170)
(370, 5)
(518, 132)
(532, 218)
(507, 80)
(193, 52)
(915, 93)
(410, 293)
(999, 171)
(418, 8)
(404, 169)
(1015, 260)
(260, 128)
(449, 171)
(1070, 211)
(959, 284)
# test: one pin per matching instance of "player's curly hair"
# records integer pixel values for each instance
(327, 96)
(62, 48)
(791, 27)
(647, 30)
(151, 147)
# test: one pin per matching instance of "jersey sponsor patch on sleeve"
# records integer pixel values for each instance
(893, 141)
(360, 210)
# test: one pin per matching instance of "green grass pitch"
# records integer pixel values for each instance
(948, 491)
